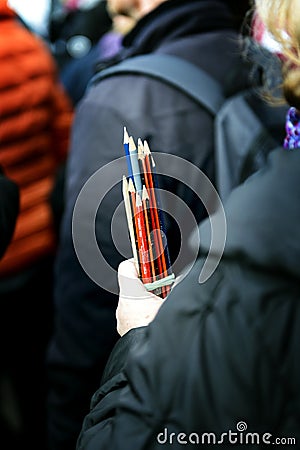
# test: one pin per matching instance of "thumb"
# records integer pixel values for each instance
(129, 283)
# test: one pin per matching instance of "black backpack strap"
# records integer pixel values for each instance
(179, 73)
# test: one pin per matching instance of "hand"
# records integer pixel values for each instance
(136, 307)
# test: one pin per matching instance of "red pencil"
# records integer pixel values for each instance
(145, 200)
(153, 204)
(160, 250)
(146, 176)
(142, 245)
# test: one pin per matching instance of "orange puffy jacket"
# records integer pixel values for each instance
(35, 122)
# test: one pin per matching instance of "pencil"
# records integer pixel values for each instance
(130, 223)
(145, 201)
(136, 176)
(126, 149)
(154, 220)
(160, 214)
(157, 225)
(140, 233)
(153, 204)
(142, 241)
(140, 159)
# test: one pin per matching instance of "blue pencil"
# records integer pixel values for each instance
(126, 149)
(136, 174)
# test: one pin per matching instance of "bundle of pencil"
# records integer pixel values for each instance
(145, 218)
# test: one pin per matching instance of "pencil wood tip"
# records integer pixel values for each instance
(146, 148)
(131, 187)
(132, 146)
(125, 187)
(126, 136)
(140, 149)
(138, 201)
(145, 195)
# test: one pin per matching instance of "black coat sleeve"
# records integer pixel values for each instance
(210, 362)
(166, 381)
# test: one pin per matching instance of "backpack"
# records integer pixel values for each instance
(246, 128)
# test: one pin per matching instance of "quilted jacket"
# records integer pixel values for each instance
(35, 119)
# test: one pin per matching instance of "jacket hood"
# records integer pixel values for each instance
(263, 217)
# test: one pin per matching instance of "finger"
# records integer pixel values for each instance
(128, 268)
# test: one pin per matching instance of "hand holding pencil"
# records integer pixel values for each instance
(136, 307)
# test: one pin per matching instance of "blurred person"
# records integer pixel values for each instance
(35, 120)
(219, 362)
(75, 28)
(75, 77)
(77, 74)
(204, 32)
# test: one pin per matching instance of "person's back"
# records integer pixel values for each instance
(219, 363)
(203, 33)
(35, 120)
(76, 75)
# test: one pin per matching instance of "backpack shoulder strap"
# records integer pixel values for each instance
(179, 73)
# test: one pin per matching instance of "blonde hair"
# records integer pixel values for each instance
(282, 18)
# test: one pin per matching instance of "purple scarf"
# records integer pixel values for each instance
(292, 139)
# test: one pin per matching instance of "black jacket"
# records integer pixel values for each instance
(201, 32)
(9, 210)
(223, 355)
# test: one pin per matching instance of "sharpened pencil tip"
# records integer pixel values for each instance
(132, 146)
(126, 137)
(140, 149)
(145, 195)
(138, 201)
(131, 187)
(146, 148)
